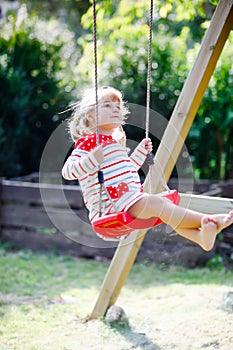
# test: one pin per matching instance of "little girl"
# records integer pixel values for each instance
(120, 171)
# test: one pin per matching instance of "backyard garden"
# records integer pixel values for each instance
(61, 286)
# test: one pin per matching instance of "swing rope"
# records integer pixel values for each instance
(96, 72)
(150, 157)
(149, 71)
(100, 172)
(119, 225)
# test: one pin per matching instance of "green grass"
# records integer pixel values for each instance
(45, 298)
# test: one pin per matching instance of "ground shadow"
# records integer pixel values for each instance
(139, 340)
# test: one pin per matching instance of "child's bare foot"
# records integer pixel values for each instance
(208, 231)
(211, 226)
(223, 220)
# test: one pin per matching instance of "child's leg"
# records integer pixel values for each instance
(204, 236)
(198, 227)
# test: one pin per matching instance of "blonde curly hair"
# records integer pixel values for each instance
(78, 123)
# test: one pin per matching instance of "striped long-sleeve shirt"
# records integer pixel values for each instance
(120, 173)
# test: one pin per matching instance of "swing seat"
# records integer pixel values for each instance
(118, 225)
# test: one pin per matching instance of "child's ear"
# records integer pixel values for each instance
(90, 119)
(90, 116)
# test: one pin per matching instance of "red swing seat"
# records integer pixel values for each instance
(120, 224)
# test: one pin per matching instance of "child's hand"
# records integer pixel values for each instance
(98, 153)
(147, 144)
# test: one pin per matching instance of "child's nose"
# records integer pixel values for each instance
(115, 107)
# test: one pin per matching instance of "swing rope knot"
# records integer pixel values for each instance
(100, 176)
(150, 158)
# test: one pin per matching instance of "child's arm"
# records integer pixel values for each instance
(81, 163)
(139, 154)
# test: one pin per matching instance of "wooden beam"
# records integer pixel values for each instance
(206, 204)
(171, 145)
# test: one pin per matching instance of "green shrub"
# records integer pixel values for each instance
(34, 86)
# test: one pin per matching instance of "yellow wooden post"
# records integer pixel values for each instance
(171, 145)
(117, 273)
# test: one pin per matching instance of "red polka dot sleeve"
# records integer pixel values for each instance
(81, 161)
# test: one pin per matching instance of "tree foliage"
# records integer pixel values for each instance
(210, 139)
(66, 11)
(178, 28)
(43, 65)
(33, 89)
(122, 31)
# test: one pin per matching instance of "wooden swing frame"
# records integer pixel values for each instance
(170, 147)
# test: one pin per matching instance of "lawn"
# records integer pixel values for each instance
(45, 299)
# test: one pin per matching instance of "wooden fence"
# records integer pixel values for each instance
(50, 217)
(53, 217)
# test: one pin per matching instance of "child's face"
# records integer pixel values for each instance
(109, 113)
